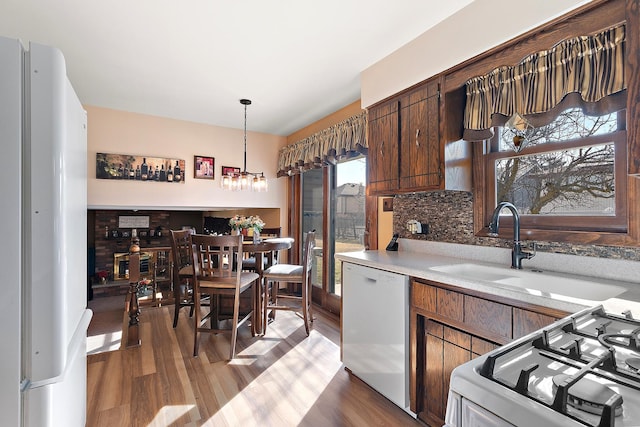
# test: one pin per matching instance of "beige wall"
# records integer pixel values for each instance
(385, 225)
(474, 29)
(113, 131)
(326, 122)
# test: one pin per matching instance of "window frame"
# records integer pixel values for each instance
(576, 229)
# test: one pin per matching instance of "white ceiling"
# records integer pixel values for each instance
(297, 60)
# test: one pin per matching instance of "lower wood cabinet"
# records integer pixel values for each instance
(527, 321)
(445, 348)
(449, 327)
(433, 402)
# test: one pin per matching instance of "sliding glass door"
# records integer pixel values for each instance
(313, 208)
(348, 211)
(333, 203)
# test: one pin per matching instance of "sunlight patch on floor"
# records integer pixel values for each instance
(169, 414)
(288, 383)
(260, 347)
(105, 342)
(243, 360)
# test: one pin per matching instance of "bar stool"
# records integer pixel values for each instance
(182, 272)
(291, 273)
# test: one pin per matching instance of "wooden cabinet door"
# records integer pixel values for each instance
(420, 154)
(434, 407)
(383, 149)
(525, 322)
(454, 356)
(445, 349)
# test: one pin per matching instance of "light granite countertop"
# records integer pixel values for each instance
(570, 273)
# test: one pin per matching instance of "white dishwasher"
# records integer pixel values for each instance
(375, 330)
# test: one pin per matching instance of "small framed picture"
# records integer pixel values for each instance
(230, 169)
(203, 167)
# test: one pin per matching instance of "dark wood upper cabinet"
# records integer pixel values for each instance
(404, 142)
(383, 148)
(420, 163)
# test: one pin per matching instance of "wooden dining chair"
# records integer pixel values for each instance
(217, 262)
(182, 272)
(290, 273)
(249, 261)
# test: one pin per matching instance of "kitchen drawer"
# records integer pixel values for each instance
(423, 296)
(451, 304)
(484, 315)
(525, 322)
(436, 300)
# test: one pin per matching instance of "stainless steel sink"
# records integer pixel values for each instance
(534, 282)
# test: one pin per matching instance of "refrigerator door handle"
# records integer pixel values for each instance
(77, 339)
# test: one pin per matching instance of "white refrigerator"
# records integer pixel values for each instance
(43, 269)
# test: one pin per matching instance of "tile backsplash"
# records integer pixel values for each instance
(450, 218)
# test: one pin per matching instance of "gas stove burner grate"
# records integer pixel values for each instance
(633, 363)
(588, 395)
(624, 340)
(577, 344)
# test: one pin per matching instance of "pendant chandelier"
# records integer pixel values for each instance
(244, 180)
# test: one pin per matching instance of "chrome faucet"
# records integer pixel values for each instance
(517, 254)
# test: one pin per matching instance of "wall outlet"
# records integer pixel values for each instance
(416, 227)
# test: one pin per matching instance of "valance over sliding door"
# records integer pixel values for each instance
(344, 139)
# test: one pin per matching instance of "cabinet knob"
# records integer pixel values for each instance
(417, 135)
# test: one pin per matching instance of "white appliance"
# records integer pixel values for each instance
(43, 313)
(375, 330)
(581, 371)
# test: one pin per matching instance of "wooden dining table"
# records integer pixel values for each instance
(265, 249)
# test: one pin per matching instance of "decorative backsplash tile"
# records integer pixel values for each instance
(450, 218)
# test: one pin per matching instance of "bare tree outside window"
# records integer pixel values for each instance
(563, 170)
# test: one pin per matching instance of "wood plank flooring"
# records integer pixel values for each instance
(282, 379)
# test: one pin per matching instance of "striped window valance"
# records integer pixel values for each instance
(344, 139)
(585, 72)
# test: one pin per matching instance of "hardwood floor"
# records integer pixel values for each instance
(282, 379)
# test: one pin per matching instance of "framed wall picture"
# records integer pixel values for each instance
(230, 169)
(139, 168)
(203, 167)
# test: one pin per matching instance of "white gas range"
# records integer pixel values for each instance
(580, 371)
